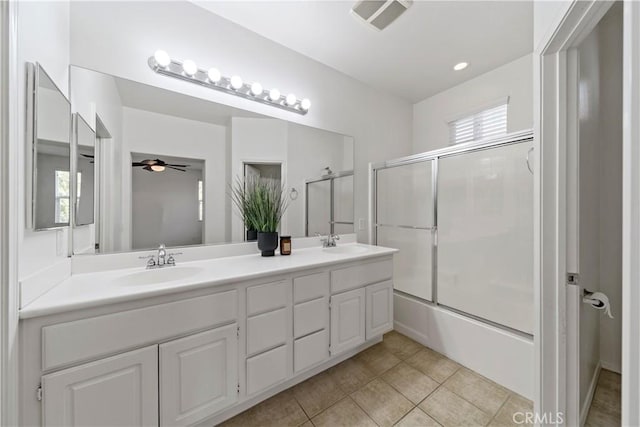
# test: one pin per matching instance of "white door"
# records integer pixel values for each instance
(379, 309)
(117, 391)
(198, 375)
(347, 320)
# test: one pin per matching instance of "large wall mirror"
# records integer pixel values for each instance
(166, 165)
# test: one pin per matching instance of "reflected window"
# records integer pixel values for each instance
(63, 195)
(200, 201)
(484, 124)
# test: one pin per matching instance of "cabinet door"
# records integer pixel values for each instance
(117, 391)
(198, 375)
(379, 309)
(347, 320)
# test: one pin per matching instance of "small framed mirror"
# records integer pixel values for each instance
(49, 130)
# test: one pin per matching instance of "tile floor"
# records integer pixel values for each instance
(396, 382)
(605, 406)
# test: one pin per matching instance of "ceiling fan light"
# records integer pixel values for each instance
(157, 168)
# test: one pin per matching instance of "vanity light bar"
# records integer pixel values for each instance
(188, 71)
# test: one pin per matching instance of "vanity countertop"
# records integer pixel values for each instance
(88, 290)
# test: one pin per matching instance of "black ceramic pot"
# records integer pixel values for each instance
(267, 243)
(252, 235)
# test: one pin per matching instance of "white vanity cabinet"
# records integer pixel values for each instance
(117, 391)
(201, 356)
(198, 375)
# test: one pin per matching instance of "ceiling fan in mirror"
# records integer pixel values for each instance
(158, 165)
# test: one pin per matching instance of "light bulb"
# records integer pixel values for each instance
(290, 99)
(305, 104)
(157, 168)
(274, 95)
(214, 75)
(189, 67)
(162, 58)
(236, 82)
(256, 89)
(460, 66)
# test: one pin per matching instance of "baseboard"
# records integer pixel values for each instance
(410, 332)
(584, 411)
(613, 367)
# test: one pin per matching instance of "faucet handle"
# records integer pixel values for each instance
(151, 262)
(171, 260)
(335, 237)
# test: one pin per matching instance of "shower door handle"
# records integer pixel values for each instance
(528, 160)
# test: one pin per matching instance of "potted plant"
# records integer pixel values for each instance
(267, 206)
(241, 196)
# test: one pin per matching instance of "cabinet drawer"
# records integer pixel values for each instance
(266, 369)
(310, 350)
(360, 275)
(310, 287)
(266, 331)
(267, 297)
(310, 316)
(72, 342)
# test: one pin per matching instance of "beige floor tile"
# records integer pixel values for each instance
(317, 393)
(449, 409)
(433, 364)
(343, 413)
(601, 416)
(417, 418)
(382, 403)
(516, 406)
(279, 410)
(307, 424)
(609, 379)
(413, 384)
(377, 359)
(480, 391)
(351, 375)
(400, 345)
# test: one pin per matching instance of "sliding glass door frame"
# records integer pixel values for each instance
(331, 179)
(434, 156)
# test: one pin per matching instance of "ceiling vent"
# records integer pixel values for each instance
(380, 13)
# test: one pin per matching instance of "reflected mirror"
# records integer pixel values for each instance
(167, 167)
(50, 132)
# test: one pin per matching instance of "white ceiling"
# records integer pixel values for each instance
(413, 57)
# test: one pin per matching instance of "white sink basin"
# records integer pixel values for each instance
(349, 249)
(161, 275)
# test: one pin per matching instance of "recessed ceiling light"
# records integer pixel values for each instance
(460, 66)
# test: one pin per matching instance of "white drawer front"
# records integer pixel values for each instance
(72, 342)
(267, 297)
(266, 331)
(360, 275)
(310, 316)
(310, 350)
(266, 369)
(310, 287)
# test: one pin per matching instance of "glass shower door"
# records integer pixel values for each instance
(343, 204)
(485, 235)
(404, 220)
(318, 207)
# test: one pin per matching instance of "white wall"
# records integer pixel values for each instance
(379, 123)
(600, 112)
(515, 80)
(165, 208)
(162, 135)
(43, 36)
(611, 184)
(589, 202)
(546, 15)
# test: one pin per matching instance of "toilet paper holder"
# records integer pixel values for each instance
(597, 300)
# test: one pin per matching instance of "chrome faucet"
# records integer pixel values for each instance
(162, 260)
(329, 241)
